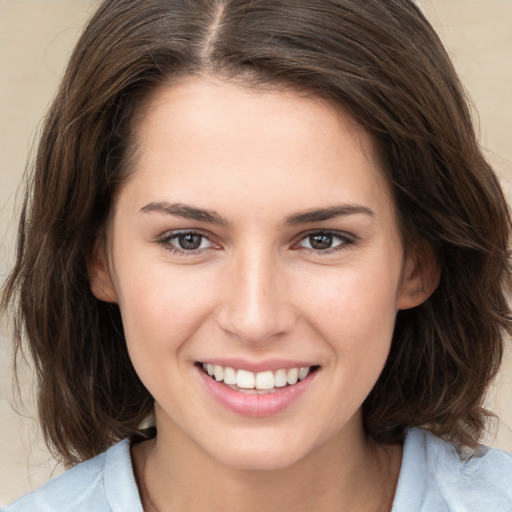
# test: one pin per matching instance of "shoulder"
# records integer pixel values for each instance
(434, 476)
(105, 483)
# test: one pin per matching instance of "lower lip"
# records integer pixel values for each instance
(252, 404)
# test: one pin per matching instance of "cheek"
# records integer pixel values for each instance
(355, 311)
(357, 320)
(353, 297)
(161, 307)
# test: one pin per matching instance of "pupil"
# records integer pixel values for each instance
(189, 241)
(321, 241)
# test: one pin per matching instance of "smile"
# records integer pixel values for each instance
(264, 390)
(264, 382)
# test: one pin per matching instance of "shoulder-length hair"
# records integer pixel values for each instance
(383, 64)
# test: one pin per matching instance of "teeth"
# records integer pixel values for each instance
(292, 376)
(303, 372)
(245, 379)
(264, 380)
(260, 382)
(218, 371)
(229, 376)
(280, 379)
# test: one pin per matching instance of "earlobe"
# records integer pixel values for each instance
(420, 278)
(100, 277)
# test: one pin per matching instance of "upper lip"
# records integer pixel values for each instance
(258, 366)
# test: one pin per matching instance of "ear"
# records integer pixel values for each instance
(102, 286)
(420, 277)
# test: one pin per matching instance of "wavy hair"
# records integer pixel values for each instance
(383, 64)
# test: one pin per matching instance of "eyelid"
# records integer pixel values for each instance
(167, 237)
(346, 239)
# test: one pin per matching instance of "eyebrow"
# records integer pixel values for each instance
(331, 212)
(186, 212)
(212, 217)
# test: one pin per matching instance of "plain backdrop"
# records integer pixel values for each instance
(36, 37)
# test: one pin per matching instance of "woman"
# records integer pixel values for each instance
(268, 229)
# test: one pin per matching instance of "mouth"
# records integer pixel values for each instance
(257, 383)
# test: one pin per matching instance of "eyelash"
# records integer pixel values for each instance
(345, 241)
(166, 242)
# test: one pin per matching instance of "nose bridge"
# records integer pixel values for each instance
(256, 307)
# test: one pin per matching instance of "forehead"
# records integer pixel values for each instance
(211, 103)
(211, 139)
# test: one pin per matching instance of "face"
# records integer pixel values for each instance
(256, 240)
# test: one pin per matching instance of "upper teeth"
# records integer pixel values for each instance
(260, 380)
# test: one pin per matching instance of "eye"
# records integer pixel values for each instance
(186, 242)
(324, 241)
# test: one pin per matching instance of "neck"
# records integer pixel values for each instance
(348, 473)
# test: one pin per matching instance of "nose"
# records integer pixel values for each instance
(256, 305)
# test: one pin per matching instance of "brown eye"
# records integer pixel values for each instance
(189, 241)
(326, 241)
(321, 241)
(186, 242)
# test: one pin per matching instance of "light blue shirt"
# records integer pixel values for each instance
(433, 478)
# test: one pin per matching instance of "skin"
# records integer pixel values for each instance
(256, 289)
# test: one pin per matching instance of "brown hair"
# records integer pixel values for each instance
(383, 64)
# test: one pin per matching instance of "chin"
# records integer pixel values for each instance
(255, 456)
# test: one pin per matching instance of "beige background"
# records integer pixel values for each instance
(35, 40)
